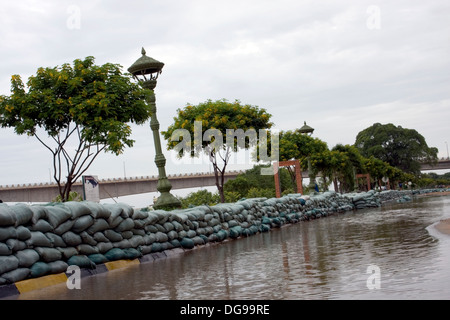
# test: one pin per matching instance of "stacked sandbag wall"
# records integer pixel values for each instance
(37, 240)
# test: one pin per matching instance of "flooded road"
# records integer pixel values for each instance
(392, 252)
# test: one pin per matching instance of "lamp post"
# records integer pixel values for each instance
(146, 66)
(307, 130)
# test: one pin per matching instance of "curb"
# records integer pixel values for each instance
(27, 285)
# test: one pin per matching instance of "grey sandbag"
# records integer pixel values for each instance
(86, 249)
(77, 208)
(100, 237)
(8, 233)
(56, 240)
(39, 269)
(67, 252)
(104, 246)
(22, 212)
(7, 216)
(23, 233)
(64, 227)
(82, 261)
(16, 244)
(39, 212)
(27, 257)
(42, 226)
(127, 210)
(125, 225)
(98, 210)
(127, 234)
(38, 239)
(8, 263)
(115, 254)
(48, 254)
(57, 266)
(99, 224)
(113, 236)
(137, 241)
(114, 211)
(4, 249)
(82, 223)
(87, 238)
(16, 275)
(71, 239)
(125, 243)
(57, 214)
(98, 258)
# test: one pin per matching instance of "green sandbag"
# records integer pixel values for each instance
(132, 253)
(98, 258)
(82, 261)
(156, 247)
(39, 269)
(187, 243)
(235, 232)
(115, 254)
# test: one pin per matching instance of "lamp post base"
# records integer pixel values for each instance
(167, 201)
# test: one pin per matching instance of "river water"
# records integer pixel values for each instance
(392, 252)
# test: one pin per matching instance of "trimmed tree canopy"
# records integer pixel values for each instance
(400, 147)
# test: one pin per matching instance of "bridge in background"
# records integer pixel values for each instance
(119, 187)
(109, 188)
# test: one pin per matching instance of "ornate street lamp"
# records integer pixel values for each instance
(148, 67)
(307, 130)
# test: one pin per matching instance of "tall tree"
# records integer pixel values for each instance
(400, 147)
(217, 128)
(83, 109)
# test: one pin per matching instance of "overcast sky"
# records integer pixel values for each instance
(341, 66)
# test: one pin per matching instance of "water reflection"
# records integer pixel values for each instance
(320, 259)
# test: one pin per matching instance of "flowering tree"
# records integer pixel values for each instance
(84, 109)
